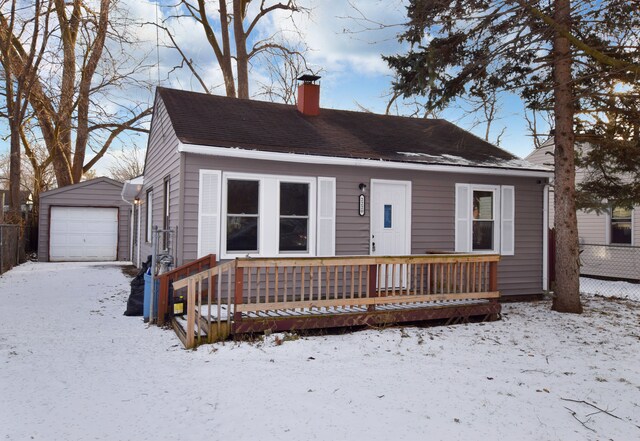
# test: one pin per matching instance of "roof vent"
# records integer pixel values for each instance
(309, 95)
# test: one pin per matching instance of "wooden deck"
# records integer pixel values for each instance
(287, 294)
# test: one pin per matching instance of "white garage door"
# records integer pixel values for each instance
(83, 234)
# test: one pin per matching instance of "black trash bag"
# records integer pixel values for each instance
(136, 298)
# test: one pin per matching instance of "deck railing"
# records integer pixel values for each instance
(247, 287)
(167, 279)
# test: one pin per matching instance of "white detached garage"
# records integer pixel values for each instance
(87, 221)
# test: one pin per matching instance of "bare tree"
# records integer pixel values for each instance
(234, 38)
(127, 164)
(485, 108)
(18, 81)
(34, 180)
(282, 73)
(534, 119)
(87, 58)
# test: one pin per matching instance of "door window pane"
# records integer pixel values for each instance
(387, 216)
(482, 234)
(294, 216)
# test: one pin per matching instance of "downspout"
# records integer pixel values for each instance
(138, 248)
(545, 238)
(131, 224)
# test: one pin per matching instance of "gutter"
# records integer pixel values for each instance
(234, 152)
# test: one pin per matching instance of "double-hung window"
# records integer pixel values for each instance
(483, 228)
(484, 219)
(620, 228)
(293, 232)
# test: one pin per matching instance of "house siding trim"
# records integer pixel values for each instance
(358, 162)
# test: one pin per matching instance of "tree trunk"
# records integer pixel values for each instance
(14, 167)
(242, 59)
(84, 91)
(224, 60)
(567, 290)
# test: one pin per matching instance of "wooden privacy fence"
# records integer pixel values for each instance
(234, 296)
(10, 245)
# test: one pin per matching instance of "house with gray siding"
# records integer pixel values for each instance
(608, 239)
(239, 178)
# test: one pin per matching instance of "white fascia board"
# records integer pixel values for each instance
(234, 152)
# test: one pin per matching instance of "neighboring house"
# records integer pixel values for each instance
(25, 202)
(251, 178)
(607, 239)
(88, 221)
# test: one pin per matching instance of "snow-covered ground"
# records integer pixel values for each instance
(72, 367)
(606, 288)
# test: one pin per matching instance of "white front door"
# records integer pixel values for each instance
(390, 224)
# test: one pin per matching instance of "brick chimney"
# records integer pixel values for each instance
(309, 95)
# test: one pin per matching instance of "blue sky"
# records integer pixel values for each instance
(346, 48)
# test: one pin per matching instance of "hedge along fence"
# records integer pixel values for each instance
(9, 247)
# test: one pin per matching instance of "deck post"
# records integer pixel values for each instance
(163, 299)
(213, 262)
(239, 288)
(493, 276)
(373, 289)
(191, 314)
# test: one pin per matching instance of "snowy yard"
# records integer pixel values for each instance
(74, 368)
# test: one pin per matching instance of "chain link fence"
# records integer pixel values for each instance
(10, 247)
(609, 270)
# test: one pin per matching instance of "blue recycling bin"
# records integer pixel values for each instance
(147, 296)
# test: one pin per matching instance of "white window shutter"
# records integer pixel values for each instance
(507, 220)
(209, 213)
(463, 218)
(326, 235)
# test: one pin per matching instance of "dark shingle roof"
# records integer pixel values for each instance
(219, 121)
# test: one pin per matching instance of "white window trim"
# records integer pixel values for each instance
(149, 216)
(268, 215)
(607, 227)
(497, 218)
